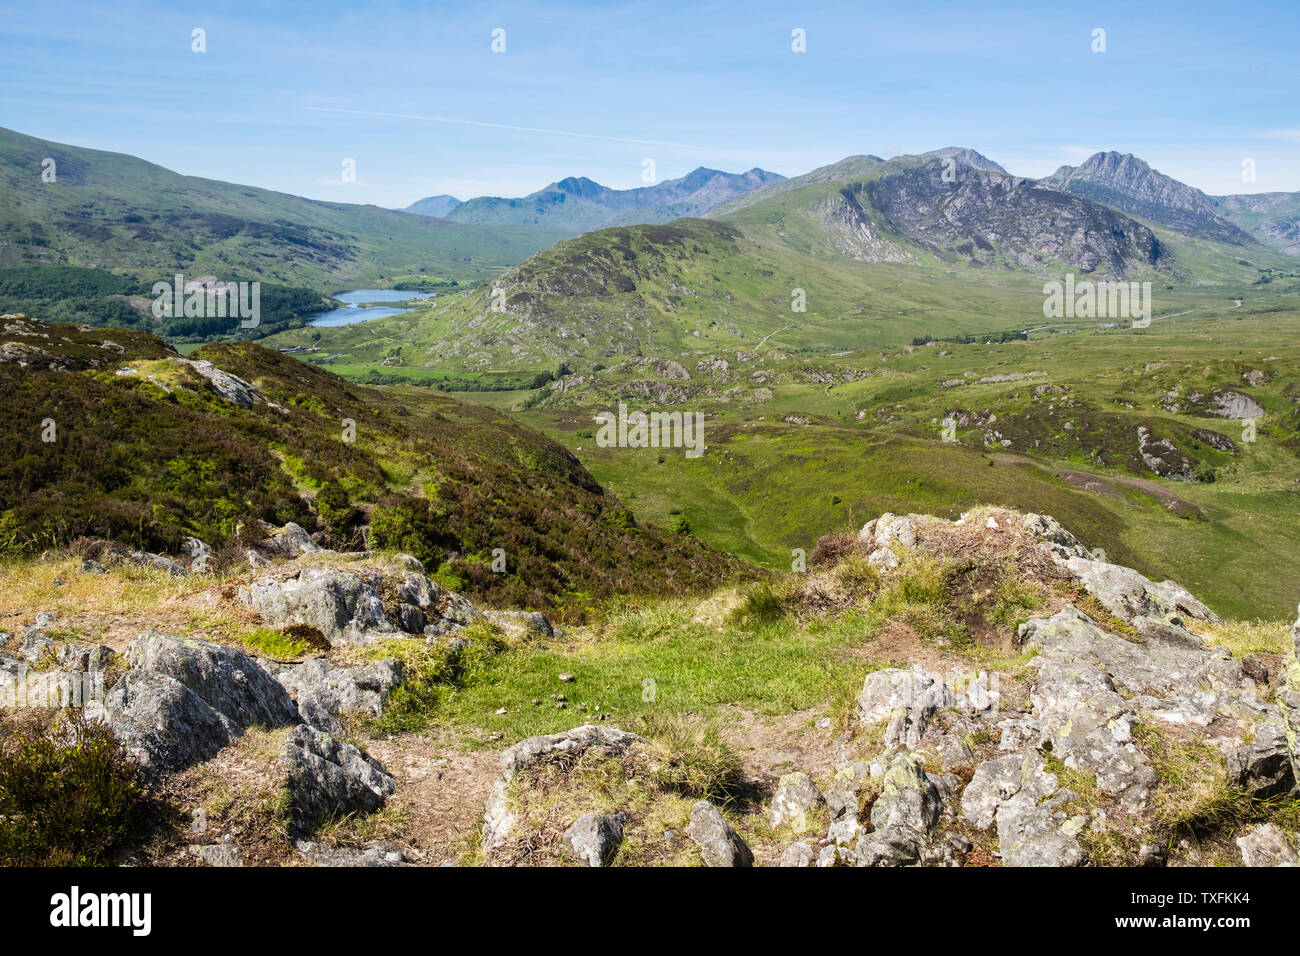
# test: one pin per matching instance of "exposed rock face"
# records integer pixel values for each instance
(230, 387)
(907, 699)
(162, 723)
(1164, 457)
(1097, 702)
(719, 844)
(184, 699)
(345, 607)
(988, 217)
(326, 778)
(1266, 845)
(1236, 406)
(1078, 708)
(1012, 792)
(797, 797)
(1132, 597)
(293, 540)
(884, 535)
(361, 605)
(1126, 182)
(323, 692)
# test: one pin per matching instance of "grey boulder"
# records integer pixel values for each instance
(323, 693)
(719, 844)
(184, 699)
(594, 837)
(326, 778)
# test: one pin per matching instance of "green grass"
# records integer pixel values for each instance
(276, 644)
(765, 487)
(651, 661)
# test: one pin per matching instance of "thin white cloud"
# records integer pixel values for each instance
(1285, 135)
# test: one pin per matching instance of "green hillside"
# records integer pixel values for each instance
(877, 253)
(121, 214)
(145, 448)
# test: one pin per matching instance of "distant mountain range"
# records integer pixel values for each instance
(880, 250)
(1121, 181)
(951, 209)
(577, 204)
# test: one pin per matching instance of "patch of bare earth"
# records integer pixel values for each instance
(441, 790)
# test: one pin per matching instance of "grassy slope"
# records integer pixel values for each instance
(117, 212)
(148, 458)
(766, 486)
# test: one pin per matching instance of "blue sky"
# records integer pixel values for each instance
(414, 94)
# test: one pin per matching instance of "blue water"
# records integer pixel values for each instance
(352, 312)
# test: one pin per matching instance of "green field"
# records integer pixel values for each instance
(767, 486)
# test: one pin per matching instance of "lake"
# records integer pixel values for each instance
(352, 312)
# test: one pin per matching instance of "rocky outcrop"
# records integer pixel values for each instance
(1013, 792)
(1101, 695)
(796, 801)
(184, 699)
(719, 844)
(361, 603)
(906, 699)
(1126, 182)
(324, 693)
(499, 819)
(326, 778)
(594, 837)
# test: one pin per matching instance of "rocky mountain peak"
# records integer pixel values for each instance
(1129, 184)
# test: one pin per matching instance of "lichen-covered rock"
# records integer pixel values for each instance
(883, 536)
(326, 778)
(594, 837)
(225, 678)
(323, 692)
(796, 799)
(891, 846)
(345, 607)
(163, 724)
(908, 796)
(1077, 704)
(1267, 845)
(184, 699)
(1013, 792)
(905, 698)
(719, 844)
(1133, 597)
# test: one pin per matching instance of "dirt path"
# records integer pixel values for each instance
(442, 787)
